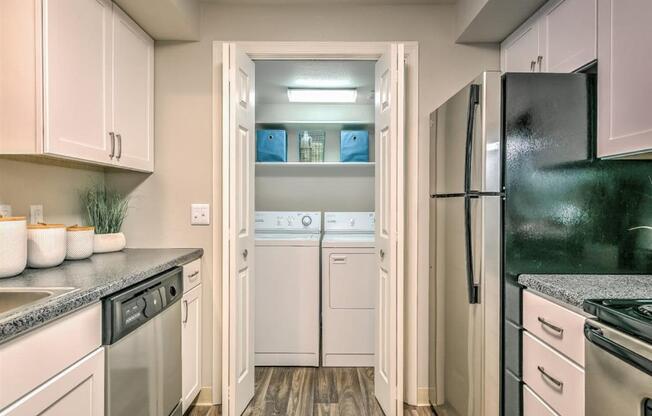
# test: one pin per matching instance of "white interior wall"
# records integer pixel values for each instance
(54, 184)
(183, 120)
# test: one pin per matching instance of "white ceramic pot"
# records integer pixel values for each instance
(46, 245)
(108, 243)
(79, 241)
(13, 246)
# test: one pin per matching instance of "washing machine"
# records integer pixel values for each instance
(348, 289)
(287, 289)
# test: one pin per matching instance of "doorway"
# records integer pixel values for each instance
(240, 179)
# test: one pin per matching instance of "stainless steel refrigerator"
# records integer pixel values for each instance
(517, 189)
(465, 242)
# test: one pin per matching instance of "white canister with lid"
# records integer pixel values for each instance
(79, 242)
(13, 245)
(46, 245)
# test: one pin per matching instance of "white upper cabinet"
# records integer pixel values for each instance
(520, 51)
(569, 33)
(560, 37)
(77, 78)
(624, 86)
(133, 91)
(77, 83)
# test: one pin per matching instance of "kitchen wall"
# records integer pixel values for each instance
(55, 185)
(183, 125)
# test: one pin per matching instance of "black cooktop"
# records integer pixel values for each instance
(633, 316)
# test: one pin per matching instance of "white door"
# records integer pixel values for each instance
(191, 346)
(239, 159)
(519, 52)
(77, 78)
(389, 115)
(569, 35)
(133, 93)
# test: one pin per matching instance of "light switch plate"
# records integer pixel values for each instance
(200, 214)
(35, 214)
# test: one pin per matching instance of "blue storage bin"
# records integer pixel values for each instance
(271, 146)
(354, 146)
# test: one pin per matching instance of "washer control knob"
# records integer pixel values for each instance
(306, 220)
(352, 222)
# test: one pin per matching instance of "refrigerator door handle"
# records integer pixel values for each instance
(468, 234)
(474, 99)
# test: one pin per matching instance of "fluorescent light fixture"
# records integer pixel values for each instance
(322, 95)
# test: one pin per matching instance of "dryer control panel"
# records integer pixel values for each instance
(342, 222)
(288, 221)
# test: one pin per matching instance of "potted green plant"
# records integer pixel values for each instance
(105, 210)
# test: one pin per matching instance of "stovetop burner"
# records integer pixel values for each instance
(633, 316)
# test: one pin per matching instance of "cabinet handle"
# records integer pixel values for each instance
(558, 384)
(119, 146)
(382, 253)
(195, 273)
(112, 136)
(533, 65)
(245, 253)
(558, 330)
(540, 62)
(185, 304)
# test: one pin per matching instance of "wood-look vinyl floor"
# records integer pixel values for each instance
(308, 391)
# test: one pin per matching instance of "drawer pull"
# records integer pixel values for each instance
(193, 274)
(558, 384)
(555, 328)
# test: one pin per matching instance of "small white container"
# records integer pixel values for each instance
(108, 243)
(13, 246)
(46, 245)
(79, 242)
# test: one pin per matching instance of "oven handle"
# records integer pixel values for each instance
(596, 336)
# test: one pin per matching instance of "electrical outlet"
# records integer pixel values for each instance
(200, 214)
(35, 214)
(5, 210)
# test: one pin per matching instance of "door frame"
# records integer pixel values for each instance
(220, 302)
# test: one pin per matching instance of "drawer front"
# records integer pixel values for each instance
(191, 275)
(533, 405)
(554, 378)
(30, 360)
(559, 327)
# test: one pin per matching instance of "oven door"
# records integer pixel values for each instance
(618, 373)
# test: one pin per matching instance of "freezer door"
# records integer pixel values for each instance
(467, 139)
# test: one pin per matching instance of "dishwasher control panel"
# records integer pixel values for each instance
(127, 310)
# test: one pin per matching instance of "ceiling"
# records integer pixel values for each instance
(317, 2)
(274, 77)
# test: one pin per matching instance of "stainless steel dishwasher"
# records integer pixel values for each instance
(142, 334)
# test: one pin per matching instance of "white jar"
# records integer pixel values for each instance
(79, 242)
(46, 245)
(13, 245)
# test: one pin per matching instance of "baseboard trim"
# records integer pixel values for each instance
(423, 398)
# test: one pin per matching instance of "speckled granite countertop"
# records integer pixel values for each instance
(574, 289)
(91, 280)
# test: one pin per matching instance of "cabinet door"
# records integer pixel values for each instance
(569, 32)
(191, 346)
(77, 78)
(78, 390)
(133, 93)
(521, 49)
(624, 87)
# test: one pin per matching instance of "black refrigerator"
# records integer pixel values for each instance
(561, 211)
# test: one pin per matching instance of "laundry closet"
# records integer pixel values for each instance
(315, 262)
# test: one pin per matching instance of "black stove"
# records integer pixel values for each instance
(633, 316)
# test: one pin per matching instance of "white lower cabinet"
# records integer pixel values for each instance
(191, 334)
(78, 390)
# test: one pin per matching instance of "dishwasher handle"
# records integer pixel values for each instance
(596, 337)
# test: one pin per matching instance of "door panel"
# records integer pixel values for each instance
(77, 78)
(239, 160)
(133, 83)
(521, 50)
(389, 109)
(191, 346)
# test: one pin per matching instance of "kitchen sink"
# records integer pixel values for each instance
(12, 298)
